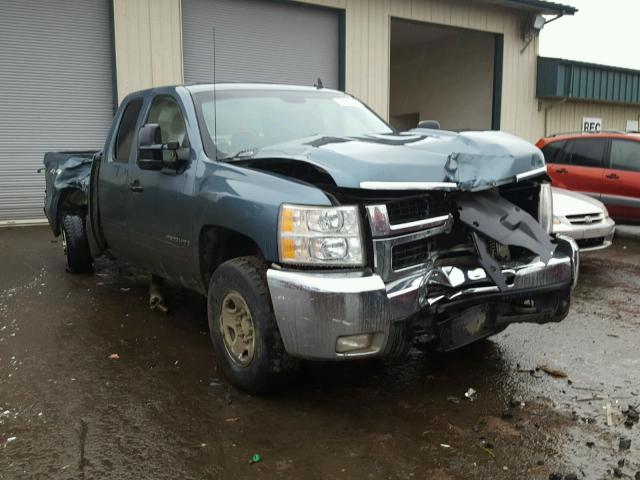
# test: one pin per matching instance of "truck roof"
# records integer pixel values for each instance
(205, 87)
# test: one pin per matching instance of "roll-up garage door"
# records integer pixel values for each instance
(260, 41)
(56, 91)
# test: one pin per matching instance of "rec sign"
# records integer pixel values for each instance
(591, 125)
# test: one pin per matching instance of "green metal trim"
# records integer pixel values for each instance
(559, 78)
(545, 7)
(496, 107)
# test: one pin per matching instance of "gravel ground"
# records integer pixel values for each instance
(71, 409)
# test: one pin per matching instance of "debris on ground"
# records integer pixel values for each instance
(156, 299)
(633, 416)
(471, 394)
(625, 443)
(453, 399)
(11, 439)
(114, 356)
(445, 445)
(255, 458)
(232, 419)
(609, 414)
(488, 448)
(554, 372)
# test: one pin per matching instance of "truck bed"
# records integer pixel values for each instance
(64, 171)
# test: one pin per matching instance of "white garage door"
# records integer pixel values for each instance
(56, 91)
(260, 41)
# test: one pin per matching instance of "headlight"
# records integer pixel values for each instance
(545, 208)
(557, 220)
(320, 235)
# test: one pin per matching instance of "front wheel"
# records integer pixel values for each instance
(76, 244)
(243, 329)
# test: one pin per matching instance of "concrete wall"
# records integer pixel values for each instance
(567, 116)
(453, 85)
(140, 25)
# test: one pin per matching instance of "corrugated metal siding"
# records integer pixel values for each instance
(260, 41)
(567, 117)
(367, 53)
(564, 78)
(367, 33)
(148, 42)
(56, 91)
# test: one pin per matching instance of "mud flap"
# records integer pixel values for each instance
(490, 215)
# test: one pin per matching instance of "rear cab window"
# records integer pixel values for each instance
(126, 130)
(625, 155)
(589, 152)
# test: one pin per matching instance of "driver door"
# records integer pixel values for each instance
(160, 201)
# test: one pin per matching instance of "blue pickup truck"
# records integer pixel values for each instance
(313, 228)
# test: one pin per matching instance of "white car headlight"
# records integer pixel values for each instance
(320, 235)
(545, 208)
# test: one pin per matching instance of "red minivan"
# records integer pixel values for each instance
(605, 166)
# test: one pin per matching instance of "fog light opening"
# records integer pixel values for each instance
(353, 343)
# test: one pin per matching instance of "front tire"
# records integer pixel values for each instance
(76, 243)
(243, 328)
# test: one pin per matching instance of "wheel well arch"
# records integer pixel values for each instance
(70, 200)
(218, 244)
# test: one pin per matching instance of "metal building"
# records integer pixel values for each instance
(65, 64)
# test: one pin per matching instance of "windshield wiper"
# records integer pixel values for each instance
(241, 155)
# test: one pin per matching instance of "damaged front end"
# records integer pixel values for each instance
(445, 266)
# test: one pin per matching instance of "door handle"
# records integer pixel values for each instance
(136, 187)
(612, 176)
(562, 170)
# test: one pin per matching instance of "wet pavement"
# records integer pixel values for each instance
(70, 409)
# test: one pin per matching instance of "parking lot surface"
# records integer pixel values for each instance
(93, 384)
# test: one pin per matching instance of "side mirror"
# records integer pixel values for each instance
(151, 150)
(432, 124)
(150, 147)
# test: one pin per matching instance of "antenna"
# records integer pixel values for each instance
(215, 100)
(319, 85)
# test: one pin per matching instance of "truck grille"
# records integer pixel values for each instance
(585, 219)
(409, 254)
(408, 210)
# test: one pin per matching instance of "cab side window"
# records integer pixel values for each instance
(166, 112)
(555, 152)
(625, 155)
(589, 152)
(126, 129)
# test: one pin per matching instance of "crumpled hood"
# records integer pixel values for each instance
(468, 160)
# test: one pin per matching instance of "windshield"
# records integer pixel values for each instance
(251, 119)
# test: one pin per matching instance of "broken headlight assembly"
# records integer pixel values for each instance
(545, 208)
(328, 236)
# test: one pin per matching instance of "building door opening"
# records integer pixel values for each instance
(448, 74)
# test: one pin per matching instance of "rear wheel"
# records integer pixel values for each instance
(75, 243)
(243, 328)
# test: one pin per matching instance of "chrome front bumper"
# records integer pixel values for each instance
(318, 314)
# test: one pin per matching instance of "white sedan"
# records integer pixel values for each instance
(583, 218)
